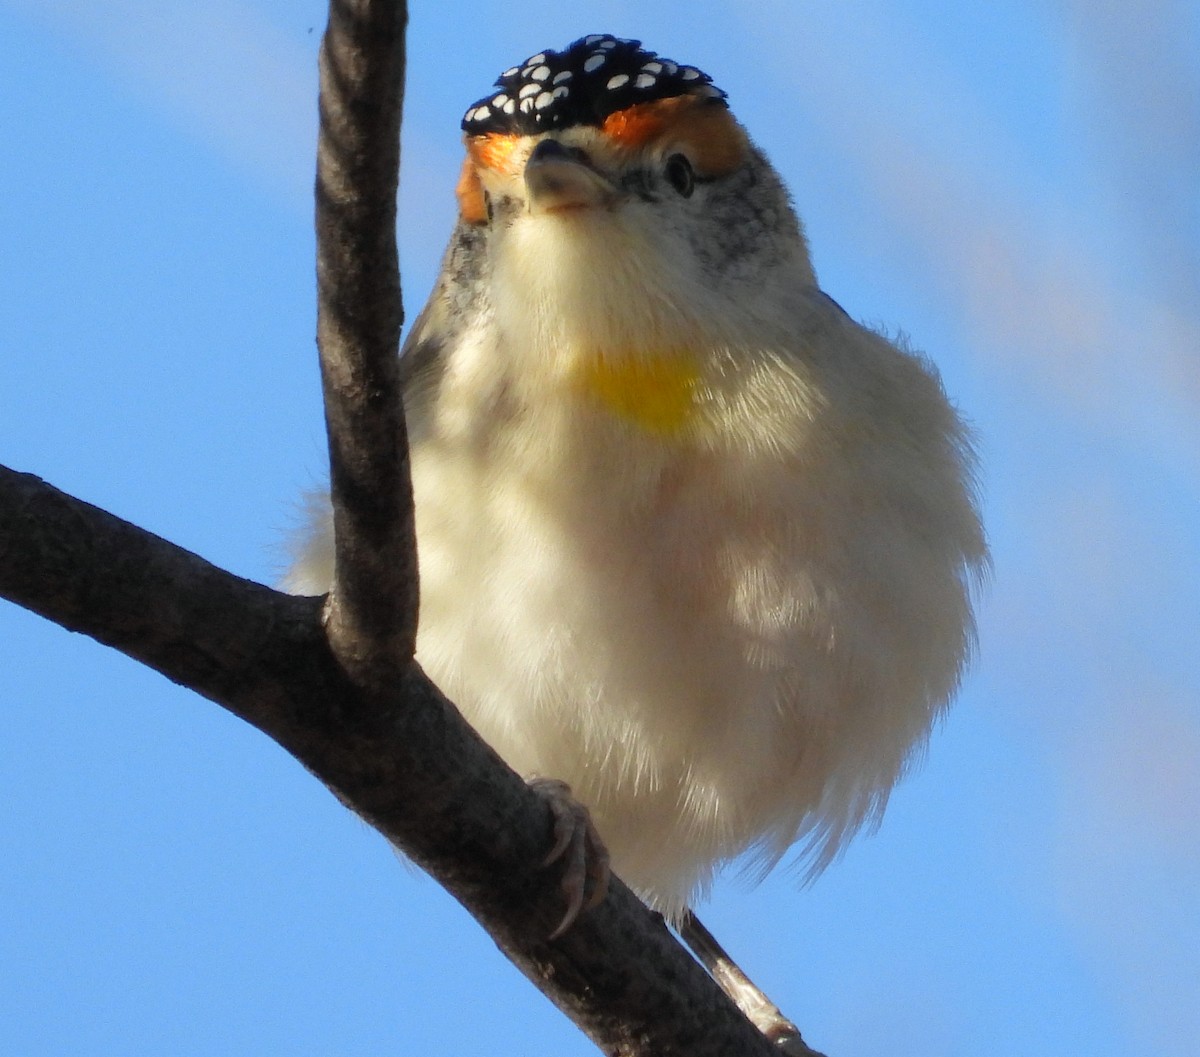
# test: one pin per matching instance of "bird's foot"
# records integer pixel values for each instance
(578, 846)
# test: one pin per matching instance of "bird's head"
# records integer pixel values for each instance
(620, 202)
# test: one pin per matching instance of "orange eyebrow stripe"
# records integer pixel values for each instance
(469, 191)
(493, 150)
(715, 141)
(637, 125)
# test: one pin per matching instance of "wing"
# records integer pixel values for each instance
(457, 298)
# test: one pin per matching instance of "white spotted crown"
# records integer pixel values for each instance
(581, 85)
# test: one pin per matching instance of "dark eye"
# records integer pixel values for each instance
(680, 175)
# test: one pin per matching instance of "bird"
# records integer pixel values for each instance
(692, 541)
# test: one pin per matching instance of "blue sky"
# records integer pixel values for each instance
(1014, 185)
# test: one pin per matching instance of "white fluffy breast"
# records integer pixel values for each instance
(728, 637)
(703, 553)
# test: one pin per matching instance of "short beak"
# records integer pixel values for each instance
(556, 178)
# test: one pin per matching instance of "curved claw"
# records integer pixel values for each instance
(578, 845)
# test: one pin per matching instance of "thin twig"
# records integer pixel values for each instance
(750, 998)
(372, 611)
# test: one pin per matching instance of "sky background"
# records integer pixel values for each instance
(1015, 185)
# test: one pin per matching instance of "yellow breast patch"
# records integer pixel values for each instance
(657, 393)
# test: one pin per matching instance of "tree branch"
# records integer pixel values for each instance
(342, 693)
(372, 609)
(402, 759)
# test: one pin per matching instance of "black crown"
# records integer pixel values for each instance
(594, 77)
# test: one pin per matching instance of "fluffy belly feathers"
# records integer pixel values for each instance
(681, 637)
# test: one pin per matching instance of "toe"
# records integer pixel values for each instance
(585, 861)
